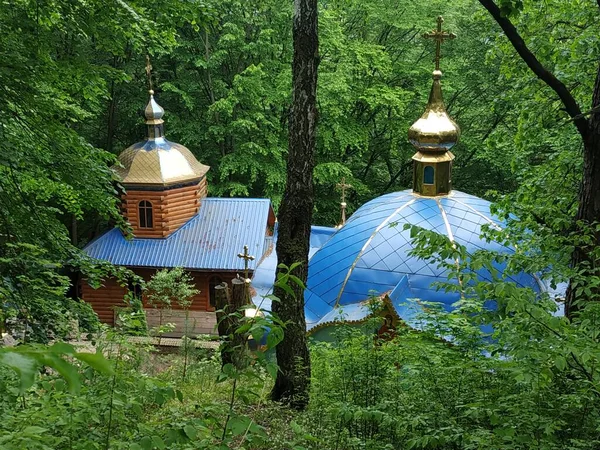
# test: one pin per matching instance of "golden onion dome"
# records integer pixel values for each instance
(153, 110)
(435, 130)
(157, 161)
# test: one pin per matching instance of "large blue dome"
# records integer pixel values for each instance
(367, 256)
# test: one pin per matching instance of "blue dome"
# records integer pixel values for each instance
(368, 257)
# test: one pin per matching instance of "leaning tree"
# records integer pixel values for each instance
(584, 258)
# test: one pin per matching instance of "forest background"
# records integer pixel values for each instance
(73, 87)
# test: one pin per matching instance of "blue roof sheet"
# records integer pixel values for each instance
(264, 275)
(209, 241)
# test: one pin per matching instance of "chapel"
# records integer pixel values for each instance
(368, 257)
(175, 224)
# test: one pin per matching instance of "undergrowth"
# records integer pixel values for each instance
(531, 382)
(414, 391)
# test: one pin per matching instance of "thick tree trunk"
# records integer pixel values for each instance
(584, 258)
(295, 213)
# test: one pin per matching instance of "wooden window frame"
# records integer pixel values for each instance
(145, 211)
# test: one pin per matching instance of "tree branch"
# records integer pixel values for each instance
(571, 105)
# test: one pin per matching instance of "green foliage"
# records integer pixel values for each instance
(116, 404)
(95, 405)
(32, 293)
(52, 179)
(85, 316)
(131, 319)
(226, 90)
(26, 360)
(171, 286)
(72, 87)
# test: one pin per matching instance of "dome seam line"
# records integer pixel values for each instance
(362, 250)
(451, 237)
(487, 219)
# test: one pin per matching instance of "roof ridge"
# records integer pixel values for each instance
(237, 199)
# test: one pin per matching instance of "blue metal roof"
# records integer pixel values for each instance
(209, 241)
(402, 299)
(264, 275)
(368, 256)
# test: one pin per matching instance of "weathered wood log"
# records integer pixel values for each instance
(229, 319)
(239, 299)
(223, 322)
(168, 191)
(174, 207)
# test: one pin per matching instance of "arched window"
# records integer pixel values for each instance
(145, 214)
(428, 172)
(212, 293)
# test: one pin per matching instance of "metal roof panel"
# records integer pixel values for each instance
(211, 240)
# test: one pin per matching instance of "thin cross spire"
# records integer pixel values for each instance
(343, 186)
(439, 37)
(247, 258)
(149, 74)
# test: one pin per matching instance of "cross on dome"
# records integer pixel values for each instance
(153, 112)
(434, 133)
(149, 74)
(343, 186)
(439, 37)
(247, 258)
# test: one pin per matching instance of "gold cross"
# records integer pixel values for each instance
(439, 37)
(149, 73)
(343, 186)
(247, 258)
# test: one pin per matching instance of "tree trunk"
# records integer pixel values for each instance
(229, 319)
(295, 213)
(238, 340)
(223, 326)
(584, 258)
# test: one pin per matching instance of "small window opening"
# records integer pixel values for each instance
(135, 289)
(145, 214)
(212, 292)
(428, 173)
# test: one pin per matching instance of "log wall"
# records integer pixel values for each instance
(110, 295)
(104, 299)
(171, 208)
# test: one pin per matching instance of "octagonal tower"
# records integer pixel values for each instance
(164, 183)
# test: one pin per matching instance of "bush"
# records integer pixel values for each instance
(86, 316)
(131, 319)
